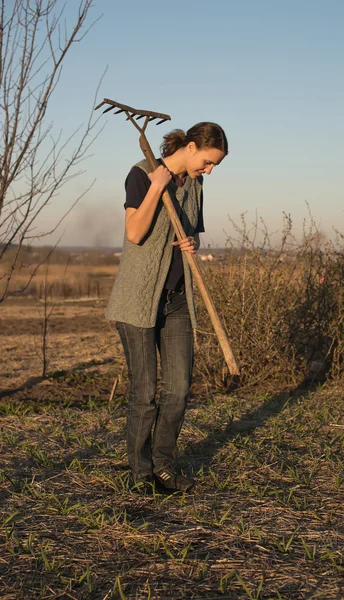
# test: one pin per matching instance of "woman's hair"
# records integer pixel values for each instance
(204, 135)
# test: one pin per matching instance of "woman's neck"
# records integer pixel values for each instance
(176, 162)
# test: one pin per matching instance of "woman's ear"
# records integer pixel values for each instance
(192, 147)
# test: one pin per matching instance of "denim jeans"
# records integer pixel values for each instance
(173, 337)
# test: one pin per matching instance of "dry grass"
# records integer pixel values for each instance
(266, 518)
(265, 521)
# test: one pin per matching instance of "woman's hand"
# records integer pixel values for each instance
(188, 244)
(161, 177)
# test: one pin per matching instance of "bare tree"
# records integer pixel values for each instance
(34, 42)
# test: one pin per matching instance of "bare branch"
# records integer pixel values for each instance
(33, 169)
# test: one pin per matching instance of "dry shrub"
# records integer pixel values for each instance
(281, 304)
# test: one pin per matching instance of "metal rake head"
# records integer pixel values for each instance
(134, 114)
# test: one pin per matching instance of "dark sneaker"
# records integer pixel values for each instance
(143, 483)
(173, 481)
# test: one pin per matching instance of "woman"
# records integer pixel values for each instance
(152, 299)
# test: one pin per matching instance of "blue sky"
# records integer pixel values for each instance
(269, 71)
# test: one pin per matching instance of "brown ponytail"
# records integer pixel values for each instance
(204, 135)
(172, 142)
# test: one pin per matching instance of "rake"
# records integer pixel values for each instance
(135, 115)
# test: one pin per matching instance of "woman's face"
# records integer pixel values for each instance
(202, 160)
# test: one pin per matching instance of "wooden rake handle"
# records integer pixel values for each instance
(194, 265)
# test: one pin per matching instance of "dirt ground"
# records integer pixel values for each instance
(79, 340)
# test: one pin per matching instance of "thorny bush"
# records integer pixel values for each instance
(281, 305)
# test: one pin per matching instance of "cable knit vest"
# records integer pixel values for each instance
(144, 267)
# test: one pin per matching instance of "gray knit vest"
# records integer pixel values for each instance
(144, 267)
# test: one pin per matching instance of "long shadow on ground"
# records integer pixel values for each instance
(204, 451)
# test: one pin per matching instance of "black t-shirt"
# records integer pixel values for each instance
(136, 186)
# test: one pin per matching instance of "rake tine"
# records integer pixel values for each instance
(99, 105)
(107, 109)
(162, 121)
(118, 111)
(139, 117)
(152, 118)
(133, 111)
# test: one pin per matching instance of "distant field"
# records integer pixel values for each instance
(63, 275)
